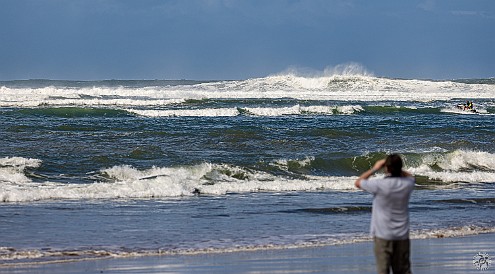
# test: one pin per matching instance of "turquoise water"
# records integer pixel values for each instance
(93, 169)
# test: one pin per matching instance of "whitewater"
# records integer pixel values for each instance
(335, 87)
(97, 169)
(161, 182)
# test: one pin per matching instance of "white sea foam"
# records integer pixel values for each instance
(458, 166)
(469, 177)
(284, 163)
(255, 111)
(275, 111)
(349, 109)
(9, 255)
(345, 88)
(450, 232)
(19, 162)
(12, 169)
(464, 112)
(220, 179)
(208, 112)
(341, 87)
(129, 182)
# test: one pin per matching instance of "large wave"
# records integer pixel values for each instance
(341, 86)
(283, 175)
(129, 182)
(457, 166)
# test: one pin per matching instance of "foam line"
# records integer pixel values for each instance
(39, 256)
(255, 111)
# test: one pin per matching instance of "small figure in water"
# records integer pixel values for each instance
(467, 106)
(470, 105)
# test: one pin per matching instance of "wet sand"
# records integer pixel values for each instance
(439, 255)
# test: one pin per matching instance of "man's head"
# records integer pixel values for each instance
(393, 163)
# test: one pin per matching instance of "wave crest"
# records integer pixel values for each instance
(12, 169)
(349, 82)
(457, 166)
(127, 182)
(253, 111)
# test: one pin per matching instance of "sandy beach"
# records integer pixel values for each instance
(439, 255)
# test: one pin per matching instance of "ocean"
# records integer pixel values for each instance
(99, 169)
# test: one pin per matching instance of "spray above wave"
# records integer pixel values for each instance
(346, 87)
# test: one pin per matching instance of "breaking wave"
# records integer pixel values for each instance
(340, 84)
(457, 166)
(129, 182)
(198, 110)
(12, 169)
(254, 111)
(283, 175)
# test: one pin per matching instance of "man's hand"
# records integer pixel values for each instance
(377, 166)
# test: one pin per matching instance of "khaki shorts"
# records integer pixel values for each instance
(392, 254)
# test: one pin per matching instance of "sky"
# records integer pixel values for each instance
(236, 39)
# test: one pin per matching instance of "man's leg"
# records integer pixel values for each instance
(400, 258)
(383, 255)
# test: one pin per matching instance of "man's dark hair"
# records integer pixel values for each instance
(394, 165)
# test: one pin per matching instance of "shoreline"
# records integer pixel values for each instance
(431, 255)
(32, 258)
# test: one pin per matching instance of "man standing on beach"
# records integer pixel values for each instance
(390, 214)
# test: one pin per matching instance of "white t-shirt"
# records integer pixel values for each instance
(390, 213)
